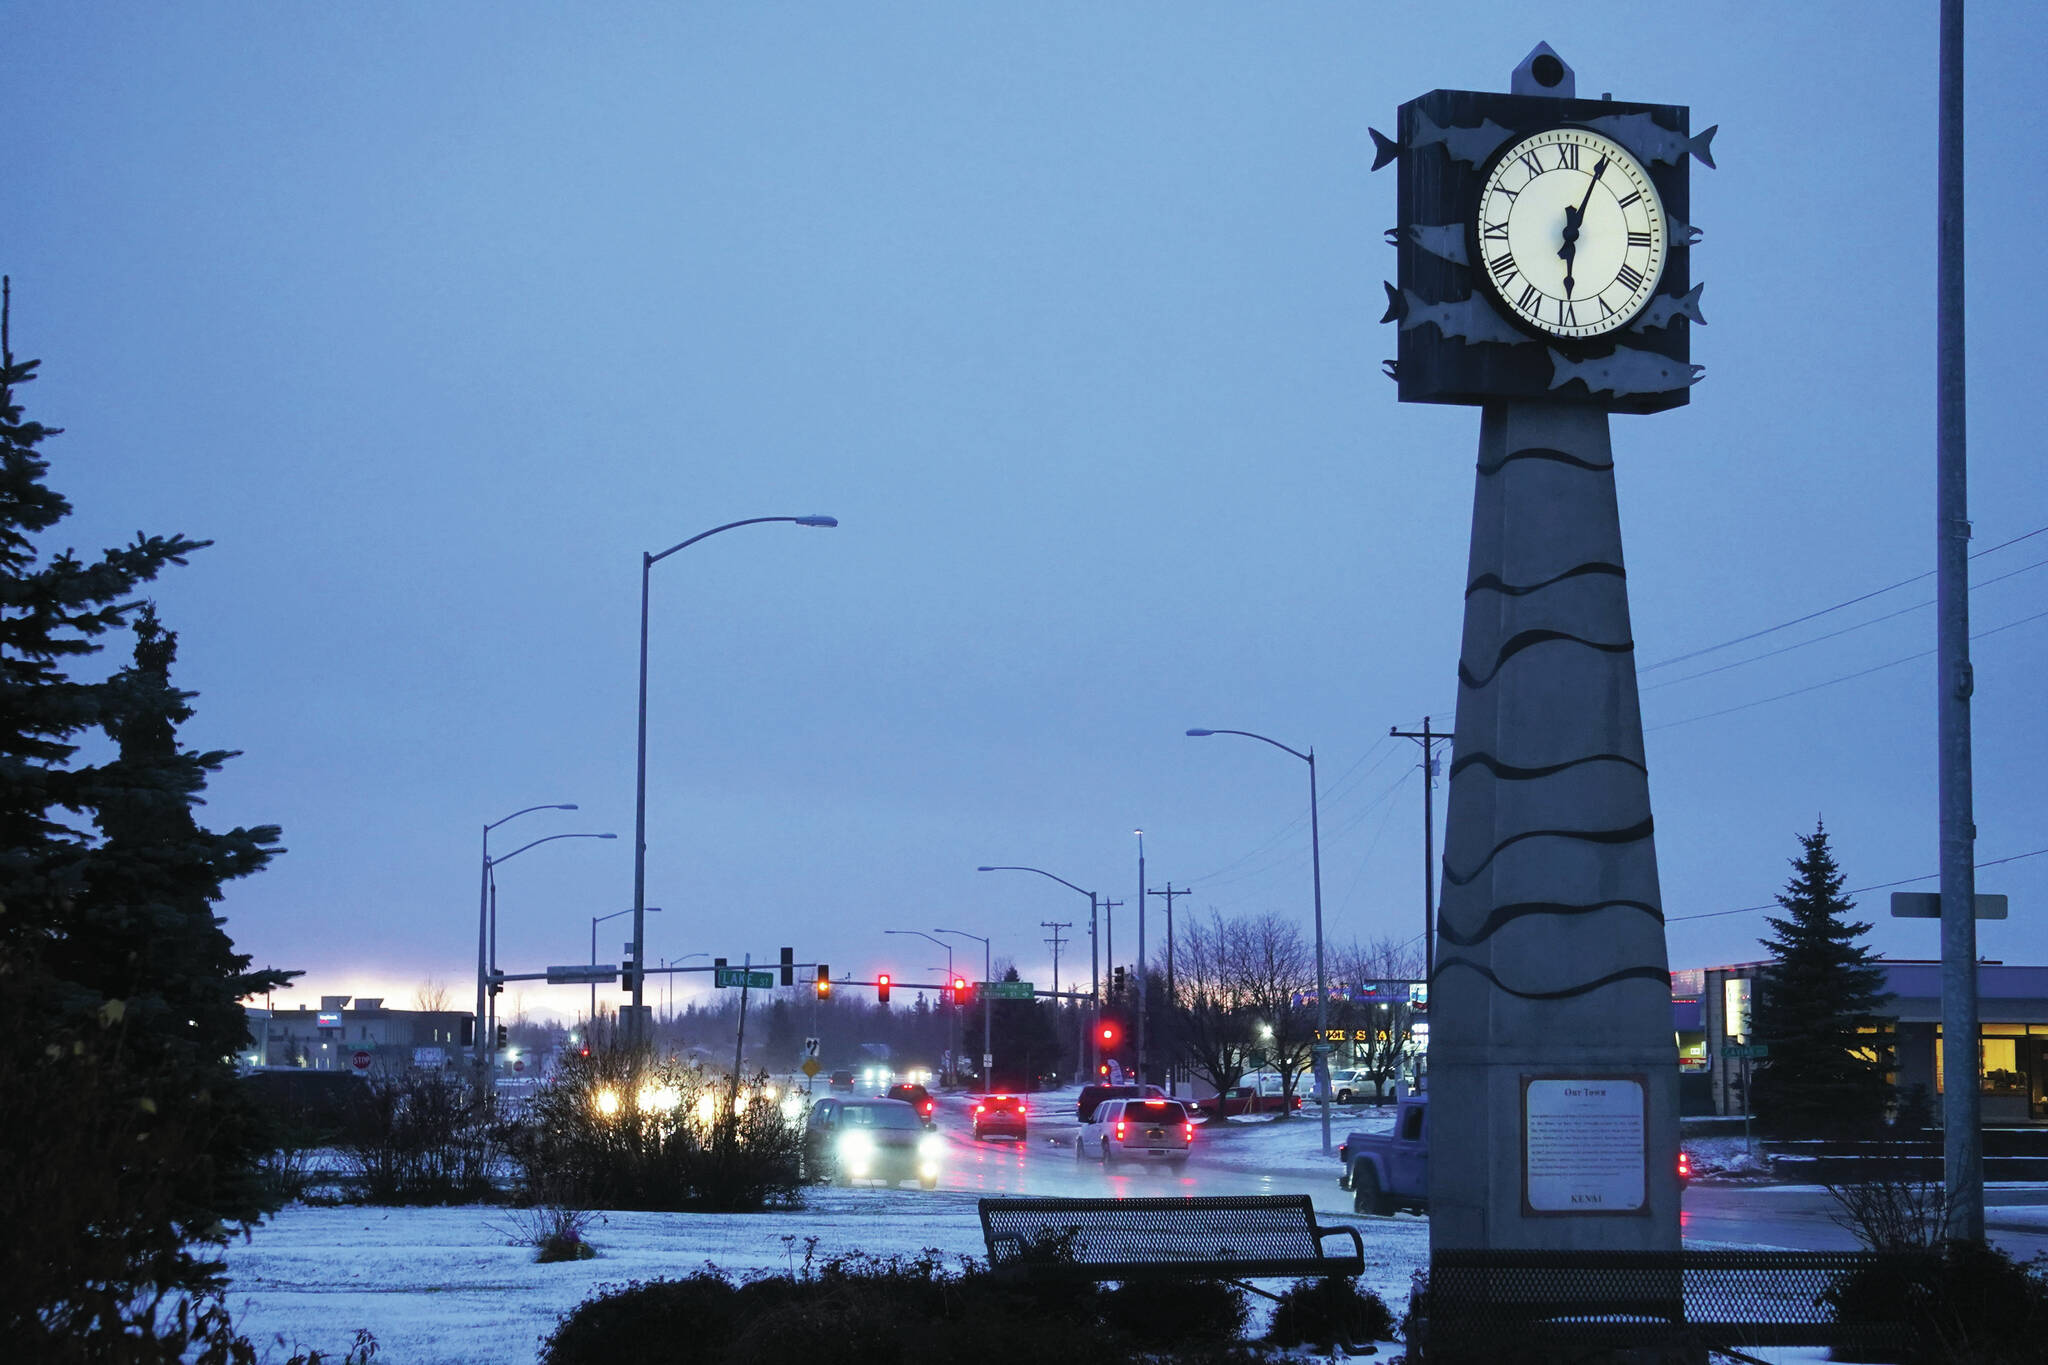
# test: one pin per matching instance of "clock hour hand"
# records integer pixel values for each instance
(1573, 217)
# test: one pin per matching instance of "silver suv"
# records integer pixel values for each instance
(1147, 1130)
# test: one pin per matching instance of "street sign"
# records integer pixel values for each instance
(740, 976)
(1927, 905)
(988, 1062)
(361, 1061)
(811, 1067)
(1007, 990)
(577, 973)
(810, 1047)
(1752, 1051)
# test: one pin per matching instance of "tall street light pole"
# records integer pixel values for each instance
(1315, 844)
(647, 563)
(988, 1051)
(596, 920)
(483, 922)
(1144, 1066)
(491, 887)
(1094, 967)
(953, 1029)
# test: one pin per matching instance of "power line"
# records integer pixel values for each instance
(1846, 677)
(1852, 891)
(1812, 615)
(1835, 634)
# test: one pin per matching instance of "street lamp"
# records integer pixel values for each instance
(491, 894)
(1089, 1016)
(596, 920)
(647, 563)
(952, 1039)
(1315, 843)
(988, 1051)
(483, 920)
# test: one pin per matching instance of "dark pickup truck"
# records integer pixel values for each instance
(1390, 1171)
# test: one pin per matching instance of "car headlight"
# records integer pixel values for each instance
(929, 1147)
(856, 1150)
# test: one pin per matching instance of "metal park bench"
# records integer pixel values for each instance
(1479, 1303)
(1225, 1237)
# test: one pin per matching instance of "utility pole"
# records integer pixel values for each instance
(1055, 941)
(1144, 1062)
(1963, 1139)
(1109, 945)
(1427, 739)
(1167, 895)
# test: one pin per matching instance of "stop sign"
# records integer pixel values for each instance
(361, 1061)
(519, 1064)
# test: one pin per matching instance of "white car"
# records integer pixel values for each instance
(1148, 1130)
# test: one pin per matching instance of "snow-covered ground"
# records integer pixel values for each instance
(446, 1286)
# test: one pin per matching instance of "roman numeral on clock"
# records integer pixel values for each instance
(1630, 277)
(1567, 156)
(1527, 302)
(1535, 167)
(1633, 196)
(1639, 239)
(1503, 267)
(1567, 313)
(1496, 232)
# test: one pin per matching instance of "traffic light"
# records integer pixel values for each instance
(962, 992)
(501, 1037)
(789, 966)
(1116, 982)
(824, 982)
(882, 989)
(626, 973)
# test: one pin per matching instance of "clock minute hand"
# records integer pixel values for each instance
(1573, 217)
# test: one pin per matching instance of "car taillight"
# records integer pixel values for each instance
(1684, 1166)
(1119, 1130)
(1190, 1128)
(1022, 1110)
(981, 1109)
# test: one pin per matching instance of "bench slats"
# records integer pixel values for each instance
(1228, 1236)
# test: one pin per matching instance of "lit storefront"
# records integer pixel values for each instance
(1711, 1010)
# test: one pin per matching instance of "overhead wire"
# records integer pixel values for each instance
(1852, 891)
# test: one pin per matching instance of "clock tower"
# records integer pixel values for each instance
(1545, 277)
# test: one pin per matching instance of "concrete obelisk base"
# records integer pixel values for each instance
(1553, 1082)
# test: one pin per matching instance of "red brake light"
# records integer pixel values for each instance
(1190, 1130)
(1684, 1166)
(1022, 1108)
(1119, 1130)
(981, 1109)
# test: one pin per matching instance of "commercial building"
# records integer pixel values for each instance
(1710, 1009)
(364, 1036)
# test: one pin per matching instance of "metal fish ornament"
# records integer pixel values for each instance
(1471, 145)
(1645, 136)
(1665, 307)
(1625, 372)
(1441, 239)
(1470, 319)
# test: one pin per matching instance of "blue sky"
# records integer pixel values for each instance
(434, 317)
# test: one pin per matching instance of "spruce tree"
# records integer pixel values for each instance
(1820, 989)
(125, 1155)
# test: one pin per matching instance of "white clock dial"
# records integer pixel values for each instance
(1571, 237)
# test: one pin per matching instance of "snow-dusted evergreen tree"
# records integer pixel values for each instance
(1821, 990)
(125, 1156)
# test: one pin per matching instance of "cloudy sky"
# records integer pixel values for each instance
(434, 317)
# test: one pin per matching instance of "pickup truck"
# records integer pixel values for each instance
(1244, 1099)
(1390, 1171)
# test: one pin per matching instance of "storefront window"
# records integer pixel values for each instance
(1998, 1062)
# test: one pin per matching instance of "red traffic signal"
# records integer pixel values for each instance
(882, 989)
(962, 992)
(1108, 1034)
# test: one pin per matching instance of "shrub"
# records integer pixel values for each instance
(1329, 1312)
(554, 1231)
(427, 1137)
(1977, 1306)
(622, 1128)
(1175, 1312)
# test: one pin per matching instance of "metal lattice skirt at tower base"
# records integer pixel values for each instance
(1482, 1301)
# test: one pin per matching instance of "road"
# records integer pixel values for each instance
(1239, 1158)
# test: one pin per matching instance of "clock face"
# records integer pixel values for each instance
(1570, 233)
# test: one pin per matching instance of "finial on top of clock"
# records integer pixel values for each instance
(1543, 72)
